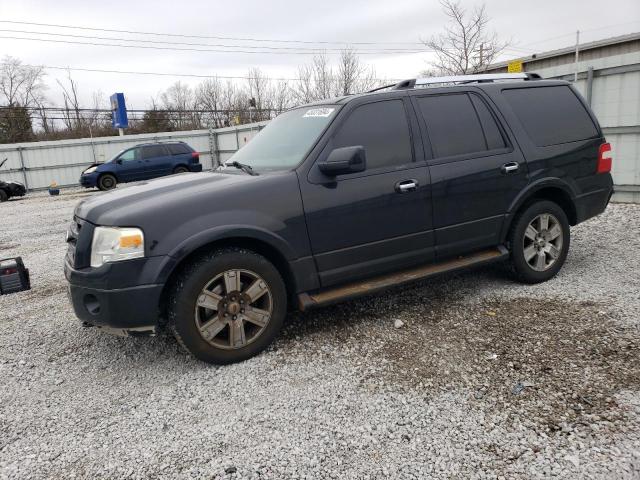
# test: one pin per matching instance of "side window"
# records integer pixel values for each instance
(489, 126)
(130, 155)
(453, 125)
(178, 148)
(153, 151)
(551, 115)
(382, 129)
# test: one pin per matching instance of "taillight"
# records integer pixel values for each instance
(195, 157)
(604, 158)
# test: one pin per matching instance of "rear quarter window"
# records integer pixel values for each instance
(551, 115)
(178, 148)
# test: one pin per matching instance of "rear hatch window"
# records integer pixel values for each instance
(551, 115)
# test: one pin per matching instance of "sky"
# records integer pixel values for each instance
(283, 35)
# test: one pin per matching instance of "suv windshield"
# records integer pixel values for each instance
(284, 142)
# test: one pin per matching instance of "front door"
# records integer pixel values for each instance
(475, 172)
(365, 223)
(130, 165)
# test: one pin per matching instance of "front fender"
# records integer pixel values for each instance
(206, 237)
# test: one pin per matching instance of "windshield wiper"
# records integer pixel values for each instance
(244, 167)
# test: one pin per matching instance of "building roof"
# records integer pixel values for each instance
(583, 47)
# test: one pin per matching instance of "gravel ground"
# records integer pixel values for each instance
(464, 376)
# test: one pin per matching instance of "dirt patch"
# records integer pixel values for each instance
(560, 363)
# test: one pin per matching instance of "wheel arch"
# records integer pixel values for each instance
(554, 190)
(260, 246)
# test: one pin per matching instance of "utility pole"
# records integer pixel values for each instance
(575, 73)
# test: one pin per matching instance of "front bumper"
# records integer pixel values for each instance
(89, 180)
(132, 310)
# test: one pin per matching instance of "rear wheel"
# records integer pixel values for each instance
(227, 306)
(3, 196)
(107, 182)
(539, 242)
(180, 169)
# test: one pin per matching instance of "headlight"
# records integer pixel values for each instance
(111, 244)
(90, 170)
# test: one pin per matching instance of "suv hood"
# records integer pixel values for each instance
(120, 206)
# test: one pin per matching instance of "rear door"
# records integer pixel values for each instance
(365, 223)
(181, 154)
(157, 161)
(476, 172)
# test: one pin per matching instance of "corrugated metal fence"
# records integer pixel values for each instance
(38, 164)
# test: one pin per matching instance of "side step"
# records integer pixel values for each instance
(368, 286)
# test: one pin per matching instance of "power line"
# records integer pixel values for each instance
(51, 40)
(167, 74)
(315, 50)
(214, 37)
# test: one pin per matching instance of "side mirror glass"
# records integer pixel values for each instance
(344, 160)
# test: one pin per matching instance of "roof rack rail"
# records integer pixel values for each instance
(478, 78)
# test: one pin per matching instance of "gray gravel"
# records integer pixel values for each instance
(483, 378)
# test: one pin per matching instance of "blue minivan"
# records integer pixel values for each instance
(142, 162)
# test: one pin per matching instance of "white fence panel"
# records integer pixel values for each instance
(38, 164)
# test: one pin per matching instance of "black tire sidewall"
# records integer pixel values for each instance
(3, 196)
(181, 309)
(180, 169)
(522, 269)
(101, 179)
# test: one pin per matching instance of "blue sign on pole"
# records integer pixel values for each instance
(118, 111)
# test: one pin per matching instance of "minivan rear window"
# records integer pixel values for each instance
(551, 115)
(178, 148)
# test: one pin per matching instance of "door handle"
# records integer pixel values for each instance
(510, 167)
(406, 186)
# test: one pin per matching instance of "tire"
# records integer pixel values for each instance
(538, 253)
(106, 181)
(217, 327)
(180, 169)
(3, 196)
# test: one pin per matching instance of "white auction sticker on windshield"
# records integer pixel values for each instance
(318, 112)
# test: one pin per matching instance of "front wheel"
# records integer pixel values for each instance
(107, 182)
(227, 306)
(539, 242)
(3, 196)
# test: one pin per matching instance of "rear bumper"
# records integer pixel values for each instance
(592, 204)
(132, 310)
(195, 167)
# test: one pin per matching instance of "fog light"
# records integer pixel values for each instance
(92, 304)
(14, 277)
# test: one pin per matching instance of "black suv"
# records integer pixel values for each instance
(343, 198)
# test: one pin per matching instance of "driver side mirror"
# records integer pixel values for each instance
(344, 160)
(119, 161)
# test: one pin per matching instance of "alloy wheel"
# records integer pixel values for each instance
(233, 309)
(542, 242)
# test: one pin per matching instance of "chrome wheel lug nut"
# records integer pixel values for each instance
(235, 317)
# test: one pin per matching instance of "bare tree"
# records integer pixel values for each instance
(353, 76)
(467, 45)
(209, 97)
(71, 115)
(21, 91)
(180, 100)
(20, 84)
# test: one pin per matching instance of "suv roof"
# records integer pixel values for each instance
(479, 80)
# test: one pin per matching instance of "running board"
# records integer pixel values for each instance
(365, 287)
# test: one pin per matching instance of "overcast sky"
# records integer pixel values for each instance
(533, 27)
